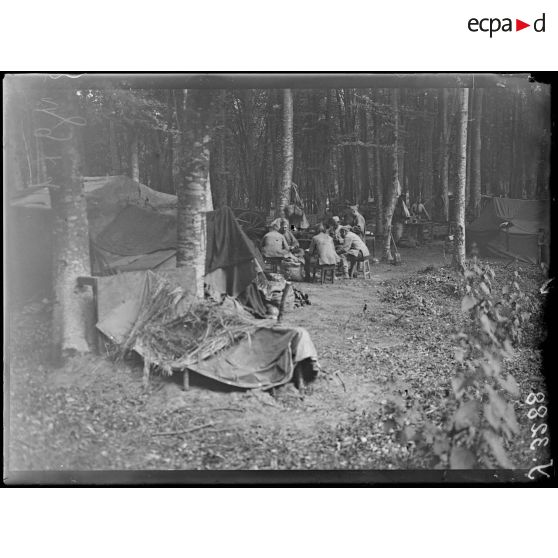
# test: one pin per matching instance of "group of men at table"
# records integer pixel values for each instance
(333, 244)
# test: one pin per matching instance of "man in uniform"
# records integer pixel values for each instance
(320, 252)
(357, 219)
(285, 230)
(274, 244)
(352, 249)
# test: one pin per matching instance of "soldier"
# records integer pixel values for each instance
(274, 244)
(357, 219)
(321, 251)
(352, 250)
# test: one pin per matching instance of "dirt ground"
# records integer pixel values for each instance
(375, 341)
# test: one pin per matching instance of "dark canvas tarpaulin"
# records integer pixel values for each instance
(253, 299)
(142, 238)
(232, 260)
(510, 228)
(137, 231)
(265, 360)
(226, 242)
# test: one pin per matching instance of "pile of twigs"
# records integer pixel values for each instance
(172, 338)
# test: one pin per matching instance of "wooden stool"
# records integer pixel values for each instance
(326, 271)
(275, 264)
(366, 272)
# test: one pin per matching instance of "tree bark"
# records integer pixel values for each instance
(443, 155)
(364, 167)
(192, 191)
(73, 306)
(218, 162)
(459, 238)
(378, 187)
(470, 104)
(288, 153)
(476, 154)
(113, 146)
(134, 154)
(394, 187)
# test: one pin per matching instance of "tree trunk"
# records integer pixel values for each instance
(288, 153)
(73, 306)
(192, 189)
(469, 156)
(443, 156)
(394, 187)
(378, 188)
(476, 154)
(113, 146)
(134, 154)
(157, 170)
(218, 166)
(179, 98)
(459, 238)
(364, 167)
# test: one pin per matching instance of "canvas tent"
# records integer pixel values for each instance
(141, 238)
(511, 228)
(132, 228)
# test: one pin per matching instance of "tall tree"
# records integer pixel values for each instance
(134, 153)
(364, 154)
(459, 239)
(476, 150)
(394, 188)
(443, 154)
(378, 186)
(288, 152)
(193, 186)
(73, 310)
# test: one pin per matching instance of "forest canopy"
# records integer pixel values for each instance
(343, 136)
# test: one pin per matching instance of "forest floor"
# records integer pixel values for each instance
(377, 339)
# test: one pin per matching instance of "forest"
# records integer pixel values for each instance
(342, 141)
(429, 363)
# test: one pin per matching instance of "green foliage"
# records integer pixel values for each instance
(485, 418)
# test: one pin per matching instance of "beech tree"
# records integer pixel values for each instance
(393, 190)
(72, 315)
(443, 155)
(193, 187)
(288, 153)
(459, 237)
(476, 151)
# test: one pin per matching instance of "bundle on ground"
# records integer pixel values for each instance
(171, 332)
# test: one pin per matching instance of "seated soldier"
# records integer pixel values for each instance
(321, 251)
(352, 249)
(274, 244)
(335, 230)
(285, 230)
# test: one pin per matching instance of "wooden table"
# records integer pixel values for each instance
(419, 226)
